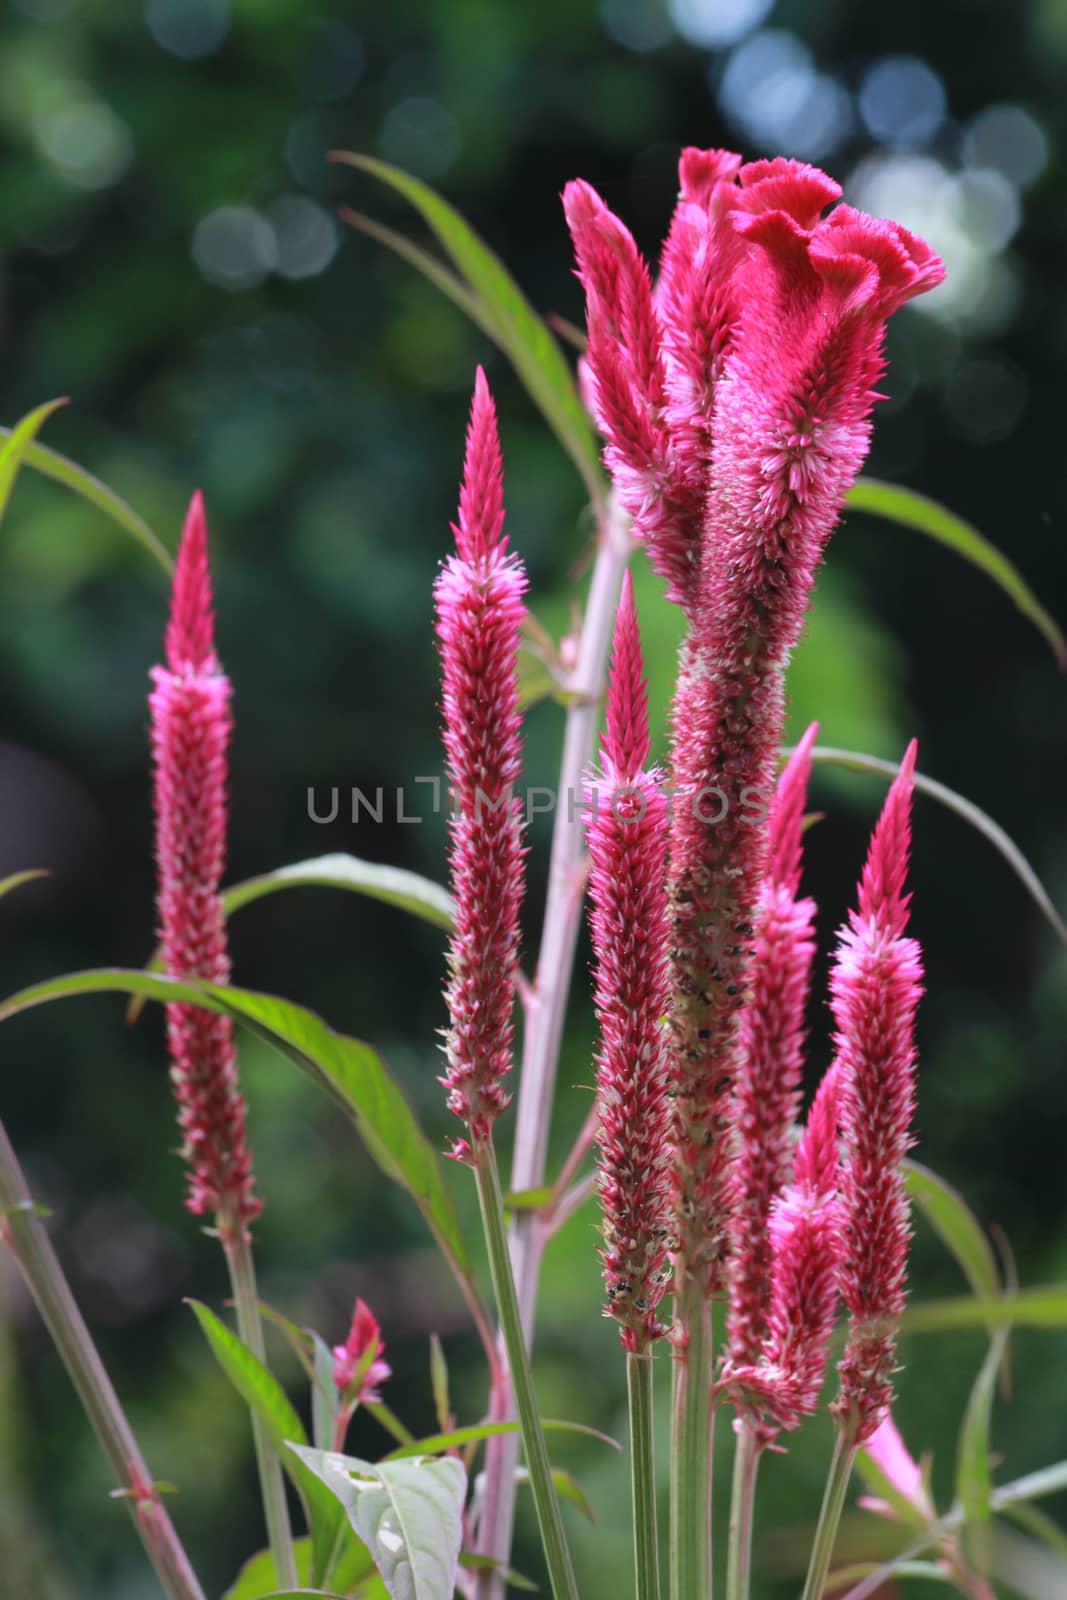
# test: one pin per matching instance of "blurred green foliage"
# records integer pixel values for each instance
(171, 262)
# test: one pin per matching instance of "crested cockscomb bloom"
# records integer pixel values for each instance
(627, 832)
(190, 732)
(875, 987)
(790, 428)
(770, 1058)
(359, 1363)
(805, 1244)
(479, 612)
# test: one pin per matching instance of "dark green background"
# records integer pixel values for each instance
(323, 416)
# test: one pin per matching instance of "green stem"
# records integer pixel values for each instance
(238, 1249)
(23, 1231)
(643, 1475)
(742, 1503)
(830, 1516)
(557, 1556)
(691, 1452)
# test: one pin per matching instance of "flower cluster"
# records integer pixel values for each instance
(735, 401)
(479, 614)
(627, 831)
(190, 732)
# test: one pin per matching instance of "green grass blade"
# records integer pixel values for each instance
(17, 443)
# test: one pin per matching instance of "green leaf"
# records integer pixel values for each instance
(17, 443)
(880, 1484)
(259, 1575)
(488, 1430)
(530, 1199)
(928, 1570)
(263, 1394)
(1030, 1308)
(856, 761)
(473, 1562)
(17, 878)
(351, 1073)
(409, 1514)
(1040, 1525)
(955, 1225)
(452, 287)
(325, 1395)
(506, 315)
(911, 510)
(61, 470)
(442, 1401)
(974, 1478)
(393, 885)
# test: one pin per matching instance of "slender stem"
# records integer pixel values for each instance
(238, 1249)
(830, 1516)
(643, 1475)
(742, 1503)
(549, 1520)
(546, 1003)
(25, 1234)
(691, 1452)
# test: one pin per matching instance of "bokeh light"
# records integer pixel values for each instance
(717, 22)
(422, 135)
(1008, 139)
(235, 247)
(773, 94)
(86, 142)
(902, 101)
(190, 29)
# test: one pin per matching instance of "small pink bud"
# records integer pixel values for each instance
(358, 1365)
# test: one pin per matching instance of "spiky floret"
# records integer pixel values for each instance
(190, 732)
(783, 1385)
(875, 987)
(479, 612)
(770, 1060)
(626, 824)
(359, 1365)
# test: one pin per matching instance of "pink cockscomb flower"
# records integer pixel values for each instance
(901, 1471)
(479, 611)
(875, 987)
(627, 834)
(190, 732)
(770, 1060)
(804, 1232)
(359, 1367)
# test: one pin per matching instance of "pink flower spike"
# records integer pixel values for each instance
(479, 613)
(190, 732)
(770, 1058)
(894, 1461)
(875, 987)
(626, 824)
(358, 1365)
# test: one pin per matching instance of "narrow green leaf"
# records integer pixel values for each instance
(390, 1422)
(856, 761)
(911, 510)
(487, 1430)
(955, 1225)
(259, 1575)
(451, 286)
(409, 1514)
(17, 443)
(473, 1562)
(393, 885)
(568, 1488)
(1030, 1308)
(974, 1477)
(520, 332)
(1040, 1525)
(350, 1072)
(442, 1400)
(17, 878)
(928, 1570)
(263, 1394)
(530, 1199)
(325, 1395)
(62, 470)
(881, 1485)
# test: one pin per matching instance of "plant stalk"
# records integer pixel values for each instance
(643, 1475)
(23, 1231)
(546, 1006)
(238, 1250)
(833, 1503)
(557, 1556)
(742, 1504)
(690, 1533)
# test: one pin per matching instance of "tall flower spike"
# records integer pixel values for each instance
(875, 988)
(767, 1092)
(627, 833)
(805, 1244)
(790, 429)
(479, 612)
(190, 732)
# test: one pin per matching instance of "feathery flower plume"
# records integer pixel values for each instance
(875, 988)
(627, 832)
(359, 1363)
(804, 1236)
(479, 612)
(770, 1058)
(190, 732)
